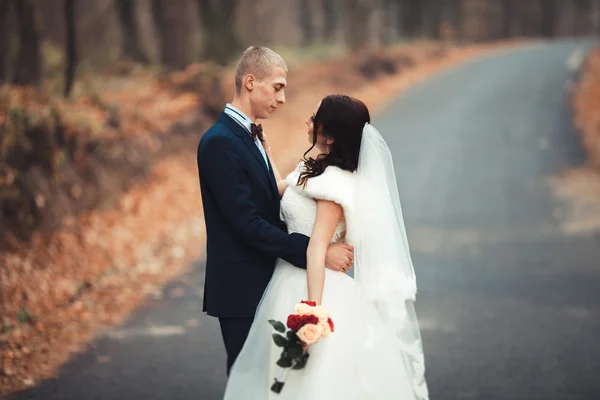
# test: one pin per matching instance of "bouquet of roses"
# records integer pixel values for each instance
(308, 325)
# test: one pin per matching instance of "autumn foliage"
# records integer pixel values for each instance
(586, 102)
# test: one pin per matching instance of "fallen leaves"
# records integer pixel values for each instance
(74, 283)
(60, 157)
(586, 102)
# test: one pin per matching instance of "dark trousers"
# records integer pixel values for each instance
(234, 332)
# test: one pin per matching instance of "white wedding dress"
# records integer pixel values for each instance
(371, 355)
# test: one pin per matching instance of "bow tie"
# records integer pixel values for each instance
(257, 132)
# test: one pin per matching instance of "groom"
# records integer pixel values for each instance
(245, 234)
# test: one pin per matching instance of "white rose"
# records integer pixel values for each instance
(320, 313)
(310, 333)
(325, 328)
(303, 309)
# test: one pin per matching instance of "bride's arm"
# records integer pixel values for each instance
(328, 217)
(281, 185)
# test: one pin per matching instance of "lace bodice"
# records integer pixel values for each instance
(299, 204)
(299, 213)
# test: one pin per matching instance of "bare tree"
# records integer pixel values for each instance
(220, 37)
(70, 46)
(507, 15)
(387, 12)
(548, 18)
(586, 18)
(306, 22)
(28, 64)
(410, 18)
(4, 39)
(330, 16)
(452, 19)
(432, 17)
(173, 35)
(357, 18)
(596, 16)
(131, 46)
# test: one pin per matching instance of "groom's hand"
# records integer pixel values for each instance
(339, 257)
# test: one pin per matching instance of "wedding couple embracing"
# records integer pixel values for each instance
(326, 241)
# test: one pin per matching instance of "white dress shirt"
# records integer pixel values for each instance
(246, 123)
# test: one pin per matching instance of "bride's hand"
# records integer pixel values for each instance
(265, 143)
(339, 257)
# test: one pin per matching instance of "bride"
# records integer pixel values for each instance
(346, 194)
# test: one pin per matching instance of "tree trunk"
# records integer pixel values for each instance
(330, 19)
(306, 22)
(596, 17)
(385, 33)
(412, 17)
(357, 18)
(131, 45)
(459, 15)
(585, 18)
(450, 19)
(548, 18)
(173, 35)
(4, 39)
(70, 46)
(520, 12)
(399, 18)
(221, 41)
(507, 15)
(28, 64)
(433, 11)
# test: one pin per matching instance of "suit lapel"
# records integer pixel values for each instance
(272, 178)
(247, 139)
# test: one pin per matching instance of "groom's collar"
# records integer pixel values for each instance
(233, 124)
(239, 117)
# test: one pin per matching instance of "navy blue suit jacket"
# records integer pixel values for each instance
(245, 234)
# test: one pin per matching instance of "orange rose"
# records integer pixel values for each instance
(310, 333)
(325, 328)
(320, 313)
(303, 309)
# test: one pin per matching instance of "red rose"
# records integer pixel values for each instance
(309, 319)
(294, 322)
(330, 322)
(310, 303)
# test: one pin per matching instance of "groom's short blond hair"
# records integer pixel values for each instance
(258, 61)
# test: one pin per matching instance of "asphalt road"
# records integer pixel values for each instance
(509, 298)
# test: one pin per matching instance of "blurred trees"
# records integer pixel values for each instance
(4, 39)
(330, 19)
(357, 13)
(305, 21)
(175, 33)
(548, 22)
(28, 65)
(132, 46)
(70, 46)
(217, 23)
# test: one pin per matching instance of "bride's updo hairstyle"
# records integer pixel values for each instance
(340, 118)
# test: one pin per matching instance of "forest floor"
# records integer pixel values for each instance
(586, 102)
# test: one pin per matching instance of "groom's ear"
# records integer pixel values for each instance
(249, 82)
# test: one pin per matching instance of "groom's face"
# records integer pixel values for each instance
(269, 93)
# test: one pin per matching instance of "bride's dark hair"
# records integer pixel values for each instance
(342, 119)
